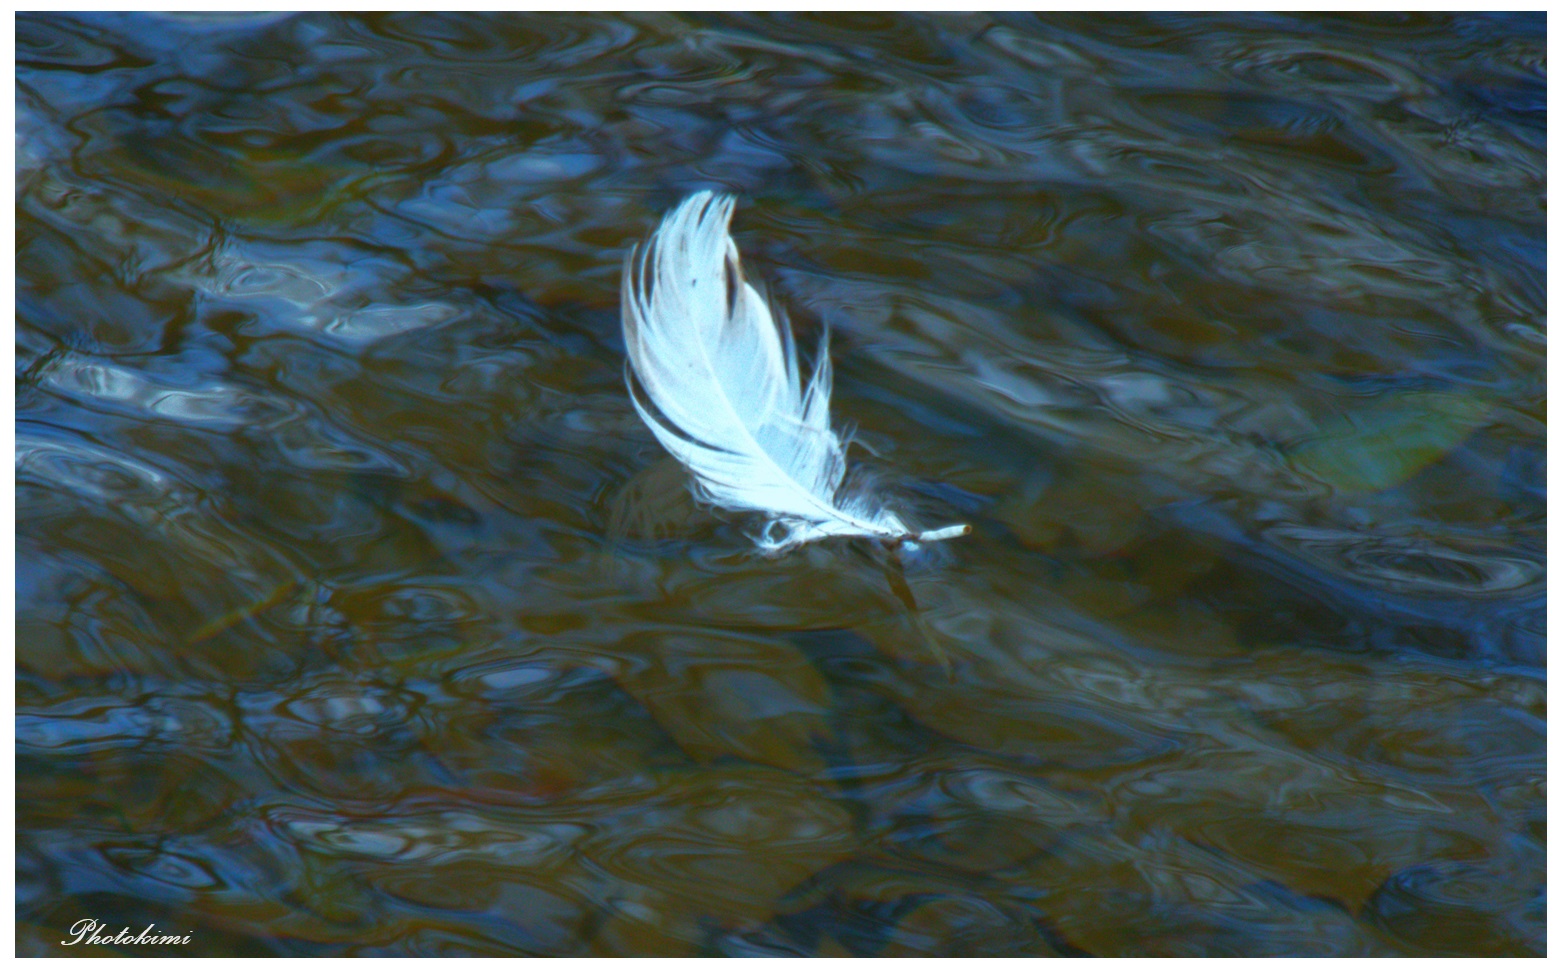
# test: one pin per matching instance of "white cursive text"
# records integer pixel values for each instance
(89, 931)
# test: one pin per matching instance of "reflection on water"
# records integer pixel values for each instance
(359, 614)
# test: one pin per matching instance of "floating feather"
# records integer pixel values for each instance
(716, 378)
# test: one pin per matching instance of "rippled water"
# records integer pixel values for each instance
(358, 613)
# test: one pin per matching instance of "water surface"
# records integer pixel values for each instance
(359, 614)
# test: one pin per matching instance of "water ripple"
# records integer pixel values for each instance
(357, 613)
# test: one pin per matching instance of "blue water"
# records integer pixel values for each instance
(359, 614)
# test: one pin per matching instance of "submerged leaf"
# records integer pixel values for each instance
(1391, 440)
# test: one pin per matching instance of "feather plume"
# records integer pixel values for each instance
(717, 379)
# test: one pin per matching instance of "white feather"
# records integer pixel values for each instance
(717, 380)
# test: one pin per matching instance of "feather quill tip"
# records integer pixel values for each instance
(947, 532)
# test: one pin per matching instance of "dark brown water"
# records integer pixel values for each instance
(358, 613)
